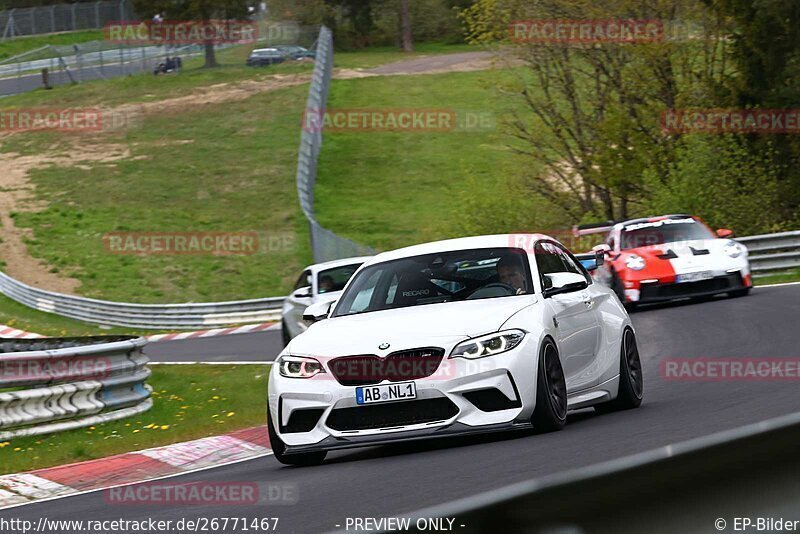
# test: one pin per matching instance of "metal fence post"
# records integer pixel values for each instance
(52, 19)
(97, 15)
(74, 22)
(33, 21)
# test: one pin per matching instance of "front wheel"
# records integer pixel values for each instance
(286, 337)
(279, 449)
(551, 391)
(631, 381)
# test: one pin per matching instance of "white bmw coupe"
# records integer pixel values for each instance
(479, 334)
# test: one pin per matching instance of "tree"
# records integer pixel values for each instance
(405, 27)
(589, 112)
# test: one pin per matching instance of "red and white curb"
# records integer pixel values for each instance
(246, 329)
(133, 467)
(9, 332)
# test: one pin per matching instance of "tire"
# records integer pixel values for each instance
(739, 292)
(279, 449)
(616, 286)
(285, 334)
(631, 382)
(550, 413)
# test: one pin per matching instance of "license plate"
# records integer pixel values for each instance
(386, 393)
(695, 277)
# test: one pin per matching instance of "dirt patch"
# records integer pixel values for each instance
(16, 194)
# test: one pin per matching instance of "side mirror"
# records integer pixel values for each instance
(302, 293)
(592, 260)
(318, 312)
(557, 283)
(603, 247)
(724, 233)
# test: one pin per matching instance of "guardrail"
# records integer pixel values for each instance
(57, 384)
(773, 252)
(146, 316)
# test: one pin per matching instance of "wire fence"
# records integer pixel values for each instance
(63, 17)
(97, 60)
(325, 244)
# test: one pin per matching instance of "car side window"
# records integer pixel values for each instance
(303, 281)
(573, 265)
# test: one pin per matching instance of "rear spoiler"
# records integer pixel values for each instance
(593, 228)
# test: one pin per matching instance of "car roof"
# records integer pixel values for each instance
(520, 240)
(264, 50)
(317, 267)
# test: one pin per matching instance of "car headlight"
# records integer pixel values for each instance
(634, 262)
(488, 345)
(299, 367)
(733, 249)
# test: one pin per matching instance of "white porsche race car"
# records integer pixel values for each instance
(478, 334)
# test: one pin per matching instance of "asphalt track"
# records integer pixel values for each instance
(388, 481)
(261, 346)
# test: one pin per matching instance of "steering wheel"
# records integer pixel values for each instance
(501, 285)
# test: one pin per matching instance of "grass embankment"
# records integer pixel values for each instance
(417, 186)
(190, 402)
(206, 165)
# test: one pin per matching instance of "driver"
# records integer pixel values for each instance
(325, 283)
(511, 273)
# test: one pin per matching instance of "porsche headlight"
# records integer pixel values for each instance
(733, 249)
(299, 367)
(634, 262)
(488, 345)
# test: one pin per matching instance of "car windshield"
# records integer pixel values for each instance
(336, 278)
(664, 231)
(265, 53)
(435, 278)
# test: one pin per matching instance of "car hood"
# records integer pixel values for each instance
(404, 328)
(681, 248)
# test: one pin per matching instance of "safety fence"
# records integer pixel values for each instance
(54, 384)
(63, 17)
(325, 244)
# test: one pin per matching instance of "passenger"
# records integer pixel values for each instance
(325, 283)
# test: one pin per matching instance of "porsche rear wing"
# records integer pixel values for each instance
(593, 228)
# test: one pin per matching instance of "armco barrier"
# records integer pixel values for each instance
(149, 316)
(773, 252)
(59, 384)
(701, 485)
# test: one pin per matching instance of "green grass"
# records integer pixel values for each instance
(190, 402)
(19, 45)
(414, 187)
(373, 57)
(217, 168)
(780, 278)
